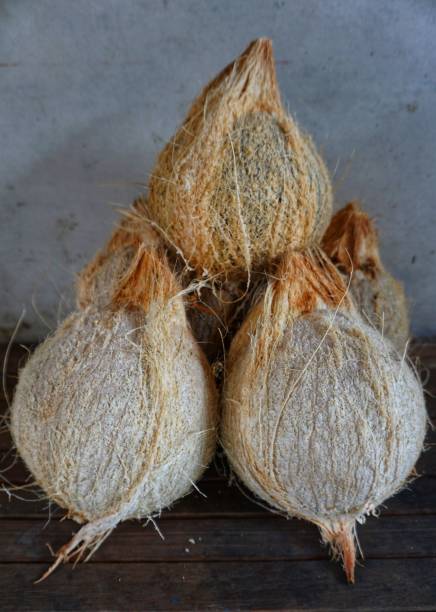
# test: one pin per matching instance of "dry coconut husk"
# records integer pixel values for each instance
(321, 418)
(115, 414)
(239, 183)
(211, 312)
(351, 242)
(217, 311)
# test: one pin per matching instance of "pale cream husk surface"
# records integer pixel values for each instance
(239, 183)
(321, 417)
(383, 304)
(112, 420)
(115, 414)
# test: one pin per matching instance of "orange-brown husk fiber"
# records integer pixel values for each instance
(239, 183)
(351, 242)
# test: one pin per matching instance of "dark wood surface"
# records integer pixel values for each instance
(221, 552)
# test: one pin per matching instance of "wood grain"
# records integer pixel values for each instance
(395, 584)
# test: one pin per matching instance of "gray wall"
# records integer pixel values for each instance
(90, 90)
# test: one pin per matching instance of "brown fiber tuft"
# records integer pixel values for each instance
(309, 277)
(341, 539)
(351, 241)
(97, 281)
(148, 280)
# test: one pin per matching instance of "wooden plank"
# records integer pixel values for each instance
(392, 585)
(256, 539)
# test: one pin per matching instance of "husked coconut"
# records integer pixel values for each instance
(239, 183)
(115, 414)
(322, 418)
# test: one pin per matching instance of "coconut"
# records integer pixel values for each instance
(321, 419)
(115, 414)
(239, 183)
(351, 242)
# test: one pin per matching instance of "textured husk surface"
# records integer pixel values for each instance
(351, 242)
(321, 418)
(211, 308)
(239, 183)
(115, 414)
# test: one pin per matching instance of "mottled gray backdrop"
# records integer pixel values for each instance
(91, 89)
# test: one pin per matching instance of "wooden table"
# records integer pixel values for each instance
(222, 552)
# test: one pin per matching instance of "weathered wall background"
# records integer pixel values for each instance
(90, 90)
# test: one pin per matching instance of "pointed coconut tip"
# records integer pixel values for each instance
(352, 207)
(149, 280)
(261, 51)
(133, 230)
(250, 77)
(259, 54)
(351, 240)
(309, 277)
(341, 538)
(256, 67)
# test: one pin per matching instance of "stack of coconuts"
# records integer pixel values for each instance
(231, 259)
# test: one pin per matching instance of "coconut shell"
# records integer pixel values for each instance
(321, 418)
(239, 183)
(115, 414)
(351, 242)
